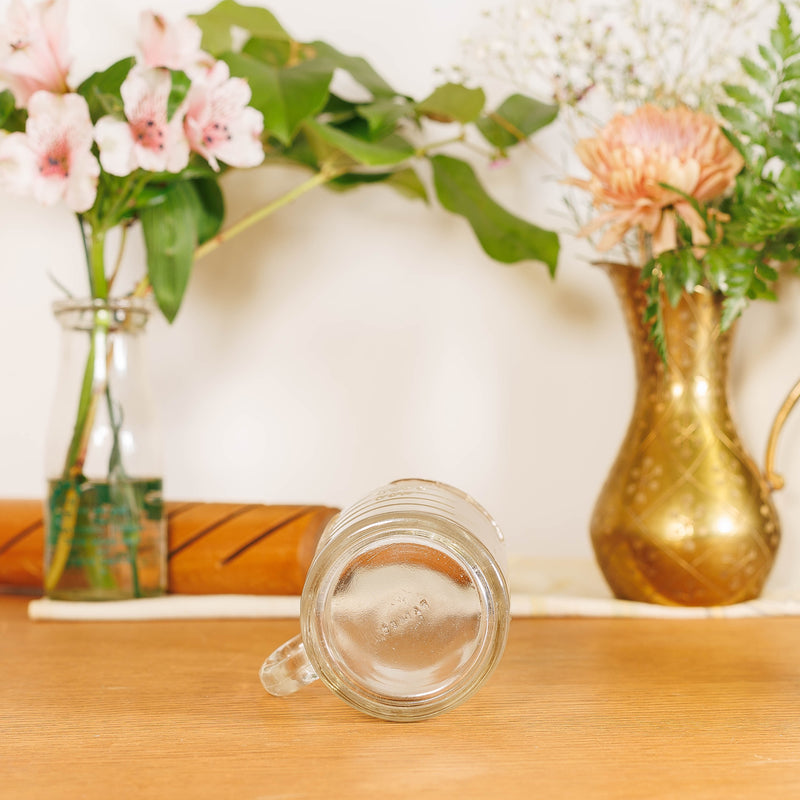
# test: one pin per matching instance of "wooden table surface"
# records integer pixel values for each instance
(640, 709)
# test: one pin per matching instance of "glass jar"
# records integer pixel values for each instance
(405, 609)
(105, 530)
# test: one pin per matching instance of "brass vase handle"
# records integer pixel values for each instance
(774, 480)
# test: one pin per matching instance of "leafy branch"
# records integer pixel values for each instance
(758, 226)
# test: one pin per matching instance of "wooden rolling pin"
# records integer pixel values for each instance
(214, 548)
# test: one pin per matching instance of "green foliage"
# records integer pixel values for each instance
(286, 96)
(505, 237)
(178, 91)
(366, 135)
(758, 225)
(188, 214)
(101, 90)
(453, 103)
(517, 118)
(218, 24)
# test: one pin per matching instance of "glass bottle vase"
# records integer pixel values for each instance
(105, 530)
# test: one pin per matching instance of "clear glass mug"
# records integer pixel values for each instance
(405, 609)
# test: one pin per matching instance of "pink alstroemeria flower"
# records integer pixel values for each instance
(175, 45)
(220, 124)
(33, 49)
(53, 159)
(145, 138)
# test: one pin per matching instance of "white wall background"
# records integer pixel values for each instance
(353, 339)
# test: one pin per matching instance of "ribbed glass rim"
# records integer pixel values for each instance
(491, 588)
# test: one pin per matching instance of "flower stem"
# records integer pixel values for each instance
(323, 176)
(423, 151)
(97, 264)
(326, 173)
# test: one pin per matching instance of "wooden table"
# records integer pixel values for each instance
(638, 709)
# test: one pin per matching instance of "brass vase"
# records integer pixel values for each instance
(685, 516)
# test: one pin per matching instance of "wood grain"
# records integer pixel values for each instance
(611, 709)
(214, 548)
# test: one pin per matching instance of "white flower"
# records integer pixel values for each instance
(220, 124)
(175, 45)
(146, 138)
(52, 160)
(33, 49)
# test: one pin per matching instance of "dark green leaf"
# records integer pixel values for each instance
(390, 150)
(102, 89)
(768, 272)
(216, 25)
(359, 69)
(453, 102)
(7, 106)
(338, 110)
(171, 236)
(503, 236)
(210, 210)
(15, 122)
(286, 97)
(517, 118)
(405, 181)
(302, 151)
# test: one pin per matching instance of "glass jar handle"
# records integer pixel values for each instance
(287, 669)
(775, 481)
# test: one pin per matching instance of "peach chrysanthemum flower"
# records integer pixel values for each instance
(636, 153)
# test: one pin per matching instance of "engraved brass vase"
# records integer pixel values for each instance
(685, 516)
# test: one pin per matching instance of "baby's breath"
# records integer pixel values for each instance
(628, 51)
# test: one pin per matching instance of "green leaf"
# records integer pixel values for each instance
(7, 106)
(383, 115)
(453, 102)
(216, 25)
(743, 96)
(756, 72)
(732, 308)
(405, 181)
(390, 150)
(654, 312)
(102, 89)
(517, 118)
(781, 36)
(503, 236)
(286, 97)
(674, 272)
(742, 121)
(268, 51)
(209, 213)
(178, 91)
(408, 183)
(791, 72)
(358, 68)
(788, 125)
(768, 56)
(171, 237)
